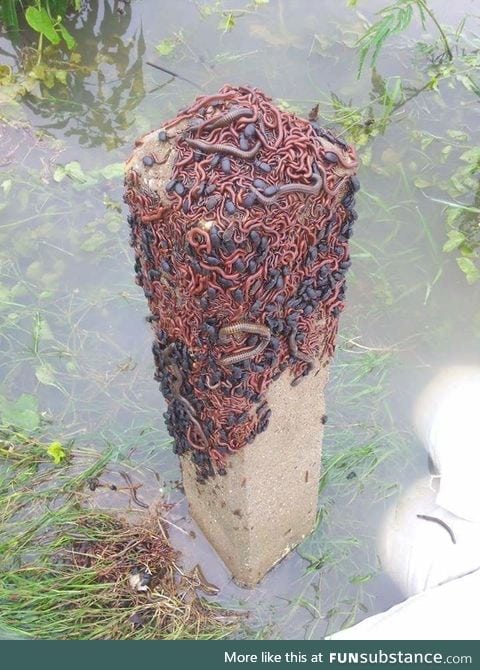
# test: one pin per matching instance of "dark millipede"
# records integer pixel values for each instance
(224, 119)
(240, 219)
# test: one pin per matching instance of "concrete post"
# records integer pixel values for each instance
(240, 218)
(267, 502)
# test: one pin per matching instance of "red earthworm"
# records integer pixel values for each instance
(218, 270)
(142, 201)
(199, 428)
(331, 192)
(252, 280)
(185, 161)
(208, 100)
(278, 126)
(133, 177)
(217, 456)
(162, 161)
(223, 148)
(332, 302)
(300, 171)
(236, 255)
(261, 135)
(230, 192)
(201, 233)
(209, 385)
(146, 218)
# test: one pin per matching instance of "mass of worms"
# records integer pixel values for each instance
(242, 254)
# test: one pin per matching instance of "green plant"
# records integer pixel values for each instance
(464, 238)
(66, 566)
(453, 189)
(364, 123)
(395, 19)
(48, 25)
(45, 18)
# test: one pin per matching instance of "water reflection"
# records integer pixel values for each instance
(105, 85)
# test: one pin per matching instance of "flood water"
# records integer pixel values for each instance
(72, 329)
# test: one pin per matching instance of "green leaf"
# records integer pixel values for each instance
(45, 375)
(61, 76)
(56, 452)
(445, 152)
(361, 579)
(457, 135)
(455, 239)
(6, 186)
(116, 207)
(69, 39)
(6, 75)
(41, 329)
(75, 172)
(471, 156)
(23, 413)
(95, 242)
(453, 215)
(39, 20)
(227, 22)
(470, 270)
(394, 19)
(468, 83)
(112, 171)
(167, 46)
(59, 174)
(421, 183)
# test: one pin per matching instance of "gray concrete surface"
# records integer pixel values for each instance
(267, 502)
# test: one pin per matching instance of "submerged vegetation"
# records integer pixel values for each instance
(46, 18)
(71, 571)
(76, 391)
(395, 19)
(453, 61)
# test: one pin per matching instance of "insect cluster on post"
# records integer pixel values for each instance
(242, 258)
